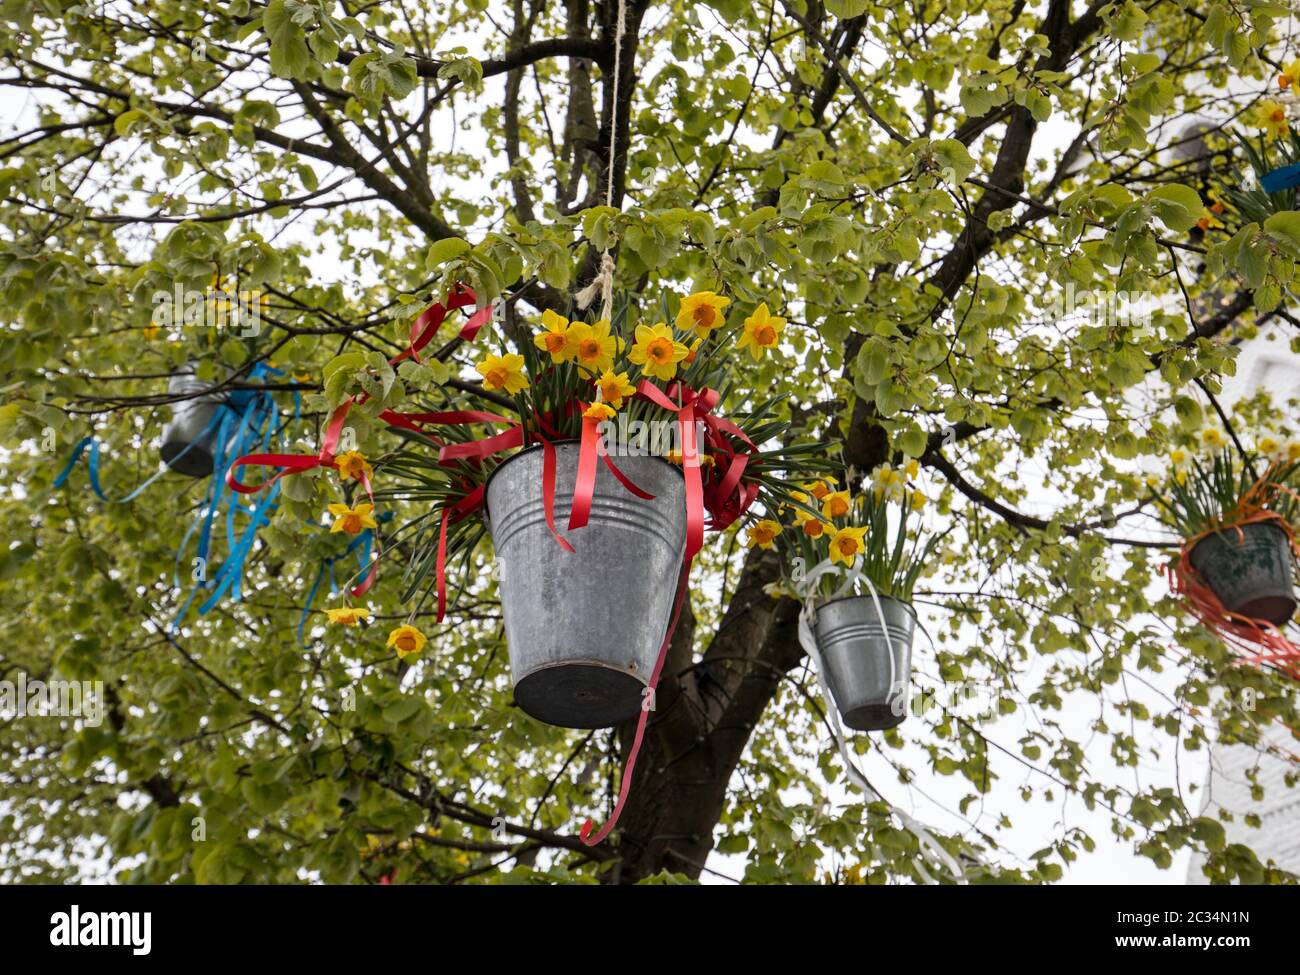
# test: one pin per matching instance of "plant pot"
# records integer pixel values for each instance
(584, 628)
(870, 692)
(189, 440)
(1249, 571)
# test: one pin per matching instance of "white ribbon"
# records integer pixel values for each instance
(930, 848)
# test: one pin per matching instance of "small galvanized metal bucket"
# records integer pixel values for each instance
(584, 628)
(870, 689)
(1249, 569)
(189, 440)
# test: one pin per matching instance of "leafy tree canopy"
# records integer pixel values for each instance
(915, 186)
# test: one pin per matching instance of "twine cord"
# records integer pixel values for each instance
(603, 283)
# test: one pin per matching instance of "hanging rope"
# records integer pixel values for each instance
(931, 850)
(603, 283)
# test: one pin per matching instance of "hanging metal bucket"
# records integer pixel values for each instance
(584, 628)
(871, 694)
(189, 440)
(1249, 570)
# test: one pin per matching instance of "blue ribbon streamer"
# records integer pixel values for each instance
(250, 423)
(363, 541)
(247, 421)
(92, 466)
(1278, 180)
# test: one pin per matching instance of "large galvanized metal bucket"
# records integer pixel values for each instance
(870, 688)
(189, 440)
(584, 628)
(1249, 570)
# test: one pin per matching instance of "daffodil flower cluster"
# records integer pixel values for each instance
(1204, 483)
(856, 531)
(608, 366)
(406, 640)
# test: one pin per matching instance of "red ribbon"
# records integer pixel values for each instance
(452, 513)
(423, 329)
(548, 491)
(704, 400)
(476, 451)
(585, 484)
(725, 499)
(625, 786)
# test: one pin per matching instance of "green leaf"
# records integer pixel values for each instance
(1177, 206)
(1285, 225)
(123, 124)
(403, 709)
(290, 56)
(844, 9)
(447, 249)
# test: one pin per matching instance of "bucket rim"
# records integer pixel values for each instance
(1232, 530)
(538, 446)
(207, 391)
(883, 598)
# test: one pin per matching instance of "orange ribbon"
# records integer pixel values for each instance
(1257, 640)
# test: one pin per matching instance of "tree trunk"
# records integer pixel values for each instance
(705, 713)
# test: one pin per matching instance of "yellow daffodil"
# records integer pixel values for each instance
(599, 411)
(763, 533)
(1209, 220)
(702, 312)
(814, 527)
(503, 372)
(348, 615)
(1152, 481)
(407, 640)
(352, 464)
(762, 332)
(888, 482)
(917, 501)
(656, 352)
(912, 468)
(819, 489)
(614, 388)
(1293, 450)
(1271, 118)
(811, 525)
(352, 520)
(1212, 437)
(691, 352)
(847, 544)
(556, 337)
(1268, 446)
(674, 456)
(836, 505)
(1178, 457)
(593, 347)
(1289, 76)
